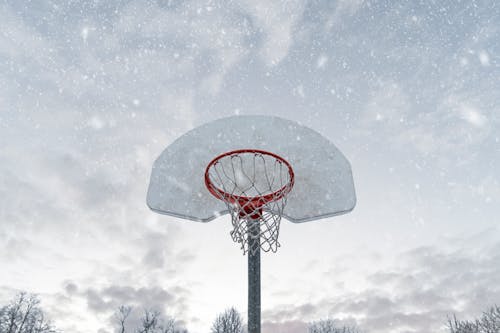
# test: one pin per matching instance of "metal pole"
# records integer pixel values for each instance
(254, 276)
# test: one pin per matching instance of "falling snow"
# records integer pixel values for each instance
(91, 92)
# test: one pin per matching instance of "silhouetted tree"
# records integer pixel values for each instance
(24, 315)
(489, 322)
(121, 317)
(330, 326)
(151, 322)
(229, 321)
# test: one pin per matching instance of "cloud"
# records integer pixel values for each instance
(102, 304)
(473, 116)
(162, 253)
(71, 288)
(110, 298)
(277, 21)
(415, 294)
(389, 105)
(461, 126)
(91, 92)
(343, 8)
(106, 302)
(292, 326)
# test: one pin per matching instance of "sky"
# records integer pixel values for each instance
(91, 92)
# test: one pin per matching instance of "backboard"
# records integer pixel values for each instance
(323, 186)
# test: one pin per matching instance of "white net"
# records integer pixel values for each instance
(254, 185)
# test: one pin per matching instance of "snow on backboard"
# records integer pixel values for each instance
(323, 187)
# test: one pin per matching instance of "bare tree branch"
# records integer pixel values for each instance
(152, 321)
(24, 315)
(330, 326)
(228, 322)
(489, 322)
(121, 316)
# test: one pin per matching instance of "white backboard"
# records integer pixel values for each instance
(323, 187)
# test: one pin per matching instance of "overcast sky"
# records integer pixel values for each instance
(92, 91)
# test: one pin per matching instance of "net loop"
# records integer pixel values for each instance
(254, 184)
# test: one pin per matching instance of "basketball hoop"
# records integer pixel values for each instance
(254, 184)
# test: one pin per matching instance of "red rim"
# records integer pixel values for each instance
(254, 202)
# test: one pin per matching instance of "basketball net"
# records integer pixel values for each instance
(254, 184)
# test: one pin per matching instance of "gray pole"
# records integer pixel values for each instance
(254, 277)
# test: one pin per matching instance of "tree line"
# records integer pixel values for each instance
(24, 314)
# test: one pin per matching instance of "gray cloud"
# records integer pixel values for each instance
(91, 92)
(156, 298)
(284, 327)
(418, 294)
(110, 298)
(71, 288)
(105, 302)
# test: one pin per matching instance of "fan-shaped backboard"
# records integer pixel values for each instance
(323, 187)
